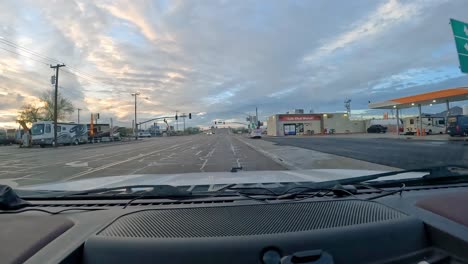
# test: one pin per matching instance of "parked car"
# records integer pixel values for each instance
(144, 134)
(377, 129)
(457, 125)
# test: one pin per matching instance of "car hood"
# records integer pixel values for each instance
(213, 178)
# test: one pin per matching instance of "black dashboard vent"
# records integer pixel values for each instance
(248, 220)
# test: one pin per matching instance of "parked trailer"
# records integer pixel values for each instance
(431, 125)
(67, 133)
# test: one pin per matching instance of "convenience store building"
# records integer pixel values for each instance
(310, 124)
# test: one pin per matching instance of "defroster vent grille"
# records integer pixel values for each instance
(248, 220)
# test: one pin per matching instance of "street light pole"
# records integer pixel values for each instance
(79, 109)
(135, 129)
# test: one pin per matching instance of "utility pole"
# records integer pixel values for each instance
(177, 122)
(111, 134)
(79, 109)
(56, 67)
(183, 116)
(256, 117)
(135, 129)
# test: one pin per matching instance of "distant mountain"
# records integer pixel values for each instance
(456, 110)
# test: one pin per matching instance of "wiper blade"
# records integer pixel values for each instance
(436, 172)
(159, 191)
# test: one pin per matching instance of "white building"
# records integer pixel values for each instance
(309, 124)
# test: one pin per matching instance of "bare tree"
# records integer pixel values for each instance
(30, 113)
(64, 106)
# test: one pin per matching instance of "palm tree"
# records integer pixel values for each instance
(64, 106)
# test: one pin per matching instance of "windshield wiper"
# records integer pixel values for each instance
(129, 191)
(433, 173)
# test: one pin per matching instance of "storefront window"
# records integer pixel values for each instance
(299, 128)
(289, 129)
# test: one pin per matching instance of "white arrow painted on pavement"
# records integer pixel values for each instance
(77, 164)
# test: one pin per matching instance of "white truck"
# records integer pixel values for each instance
(431, 125)
(67, 133)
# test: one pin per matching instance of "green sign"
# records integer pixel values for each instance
(460, 32)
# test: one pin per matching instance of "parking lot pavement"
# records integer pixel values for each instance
(182, 154)
(404, 154)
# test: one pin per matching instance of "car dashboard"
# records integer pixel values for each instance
(426, 224)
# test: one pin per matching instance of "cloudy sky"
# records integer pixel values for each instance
(220, 59)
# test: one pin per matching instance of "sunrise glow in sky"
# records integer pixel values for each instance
(217, 59)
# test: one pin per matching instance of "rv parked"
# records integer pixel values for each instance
(67, 133)
(5, 138)
(431, 125)
(457, 125)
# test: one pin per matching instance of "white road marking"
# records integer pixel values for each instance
(25, 176)
(198, 153)
(169, 156)
(77, 164)
(233, 150)
(206, 158)
(120, 162)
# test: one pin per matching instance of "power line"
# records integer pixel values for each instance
(14, 52)
(47, 64)
(83, 77)
(14, 45)
(44, 57)
(46, 60)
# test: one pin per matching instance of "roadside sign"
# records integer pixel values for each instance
(460, 32)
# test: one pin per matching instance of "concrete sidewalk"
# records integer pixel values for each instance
(295, 158)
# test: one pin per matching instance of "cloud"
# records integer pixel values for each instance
(222, 58)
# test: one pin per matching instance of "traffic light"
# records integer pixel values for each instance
(190, 116)
(176, 117)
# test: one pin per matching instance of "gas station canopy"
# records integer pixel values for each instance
(436, 97)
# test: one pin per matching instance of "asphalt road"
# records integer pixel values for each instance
(398, 153)
(162, 155)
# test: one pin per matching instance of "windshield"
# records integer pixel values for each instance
(98, 94)
(37, 129)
